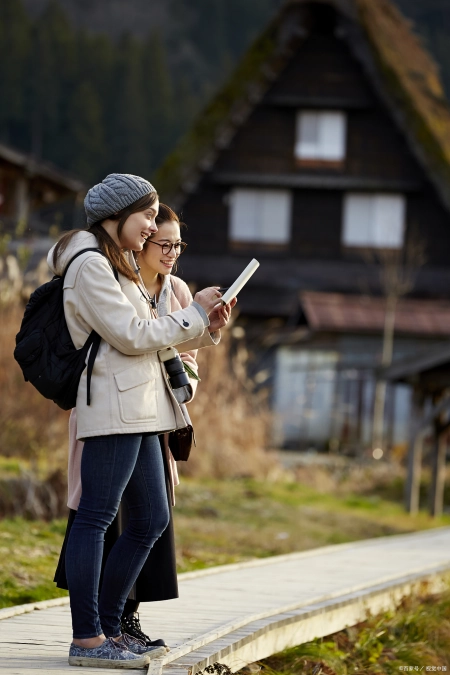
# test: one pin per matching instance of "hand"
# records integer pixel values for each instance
(220, 316)
(208, 298)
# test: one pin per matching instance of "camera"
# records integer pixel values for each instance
(174, 367)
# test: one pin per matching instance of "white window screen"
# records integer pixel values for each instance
(374, 220)
(320, 135)
(260, 215)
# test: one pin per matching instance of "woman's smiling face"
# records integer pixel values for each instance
(152, 255)
(138, 227)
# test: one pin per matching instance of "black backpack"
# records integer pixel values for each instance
(44, 349)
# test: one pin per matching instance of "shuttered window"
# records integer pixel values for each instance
(320, 135)
(374, 220)
(262, 216)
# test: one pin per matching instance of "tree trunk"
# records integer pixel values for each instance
(386, 359)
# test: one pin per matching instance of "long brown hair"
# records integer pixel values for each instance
(105, 242)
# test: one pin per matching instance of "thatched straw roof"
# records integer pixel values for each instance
(393, 57)
(411, 80)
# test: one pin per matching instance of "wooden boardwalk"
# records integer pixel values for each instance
(240, 613)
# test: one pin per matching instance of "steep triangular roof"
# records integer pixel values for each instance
(393, 57)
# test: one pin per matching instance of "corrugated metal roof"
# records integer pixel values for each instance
(360, 313)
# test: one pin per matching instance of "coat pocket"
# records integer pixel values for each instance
(136, 390)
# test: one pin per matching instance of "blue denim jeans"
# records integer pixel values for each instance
(128, 466)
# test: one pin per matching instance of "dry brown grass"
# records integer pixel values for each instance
(341, 476)
(31, 427)
(231, 420)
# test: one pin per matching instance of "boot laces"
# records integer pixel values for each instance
(132, 621)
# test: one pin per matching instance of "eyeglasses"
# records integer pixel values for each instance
(166, 247)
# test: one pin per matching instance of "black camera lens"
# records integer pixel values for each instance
(176, 372)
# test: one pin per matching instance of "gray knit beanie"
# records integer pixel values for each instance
(113, 194)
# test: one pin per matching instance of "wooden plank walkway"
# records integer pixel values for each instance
(240, 613)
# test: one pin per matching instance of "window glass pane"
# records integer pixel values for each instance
(320, 135)
(357, 230)
(307, 144)
(275, 216)
(260, 215)
(332, 136)
(243, 215)
(374, 220)
(389, 217)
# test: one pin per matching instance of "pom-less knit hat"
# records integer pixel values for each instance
(114, 193)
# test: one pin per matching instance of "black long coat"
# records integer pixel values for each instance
(158, 577)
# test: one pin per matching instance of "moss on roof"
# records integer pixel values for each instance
(199, 139)
(412, 80)
(408, 74)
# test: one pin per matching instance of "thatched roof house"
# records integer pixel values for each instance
(392, 57)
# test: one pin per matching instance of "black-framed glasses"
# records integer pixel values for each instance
(166, 247)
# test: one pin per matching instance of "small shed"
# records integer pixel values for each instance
(32, 191)
(429, 376)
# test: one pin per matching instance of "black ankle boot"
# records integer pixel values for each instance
(132, 626)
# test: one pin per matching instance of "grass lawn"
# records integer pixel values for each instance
(216, 522)
(416, 637)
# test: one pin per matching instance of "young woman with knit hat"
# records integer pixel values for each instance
(131, 403)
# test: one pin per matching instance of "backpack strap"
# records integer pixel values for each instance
(94, 339)
(93, 342)
(84, 250)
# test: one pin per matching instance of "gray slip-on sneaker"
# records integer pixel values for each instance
(139, 647)
(110, 654)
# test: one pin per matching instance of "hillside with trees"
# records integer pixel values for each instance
(111, 85)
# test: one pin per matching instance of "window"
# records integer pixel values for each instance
(320, 135)
(375, 220)
(304, 393)
(260, 216)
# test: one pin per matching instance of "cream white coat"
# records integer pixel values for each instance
(129, 388)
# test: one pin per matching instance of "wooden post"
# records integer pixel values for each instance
(22, 200)
(414, 474)
(438, 470)
(412, 485)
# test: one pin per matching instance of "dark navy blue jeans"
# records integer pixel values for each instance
(128, 466)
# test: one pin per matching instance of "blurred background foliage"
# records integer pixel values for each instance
(100, 92)
(111, 85)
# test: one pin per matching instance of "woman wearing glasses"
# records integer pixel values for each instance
(164, 294)
(167, 293)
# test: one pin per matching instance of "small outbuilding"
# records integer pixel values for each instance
(34, 195)
(428, 375)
